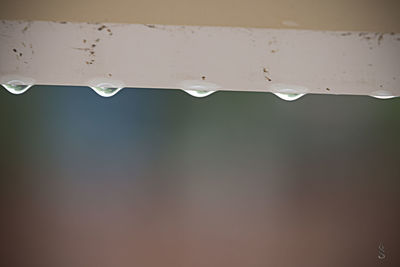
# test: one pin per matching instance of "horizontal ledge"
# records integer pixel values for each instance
(200, 58)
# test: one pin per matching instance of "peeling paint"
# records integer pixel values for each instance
(380, 38)
(26, 27)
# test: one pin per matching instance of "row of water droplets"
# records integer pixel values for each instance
(108, 90)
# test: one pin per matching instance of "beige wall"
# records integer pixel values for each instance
(363, 15)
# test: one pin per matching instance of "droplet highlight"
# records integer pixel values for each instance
(199, 93)
(381, 94)
(288, 96)
(17, 87)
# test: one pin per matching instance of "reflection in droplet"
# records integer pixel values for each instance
(16, 87)
(200, 93)
(106, 89)
(288, 96)
(381, 94)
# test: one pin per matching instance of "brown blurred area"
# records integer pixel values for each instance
(333, 15)
(238, 179)
(110, 225)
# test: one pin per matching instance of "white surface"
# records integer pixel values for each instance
(193, 58)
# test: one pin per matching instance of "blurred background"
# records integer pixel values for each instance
(160, 178)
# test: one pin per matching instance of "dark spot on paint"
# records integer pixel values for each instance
(93, 45)
(346, 34)
(328, 89)
(265, 74)
(84, 41)
(273, 51)
(381, 86)
(63, 22)
(20, 54)
(380, 38)
(15, 50)
(109, 75)
(91, 52)
(203, 78)
(97, 40)
(101, 28)
(150, 26)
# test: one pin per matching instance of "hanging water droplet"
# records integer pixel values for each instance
(383, 97)
(200, 93)
(288, 96)
(106, 89)
(198, 88)
(381, 94)
(288, 92)
(16, 87)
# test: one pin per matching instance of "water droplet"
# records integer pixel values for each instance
(106, 89)
(199, 88)
(381, 94)
(16, 87)
(288, 96)
(200, 93)
(288, 92)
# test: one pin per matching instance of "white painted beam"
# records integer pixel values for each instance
(288, 62)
